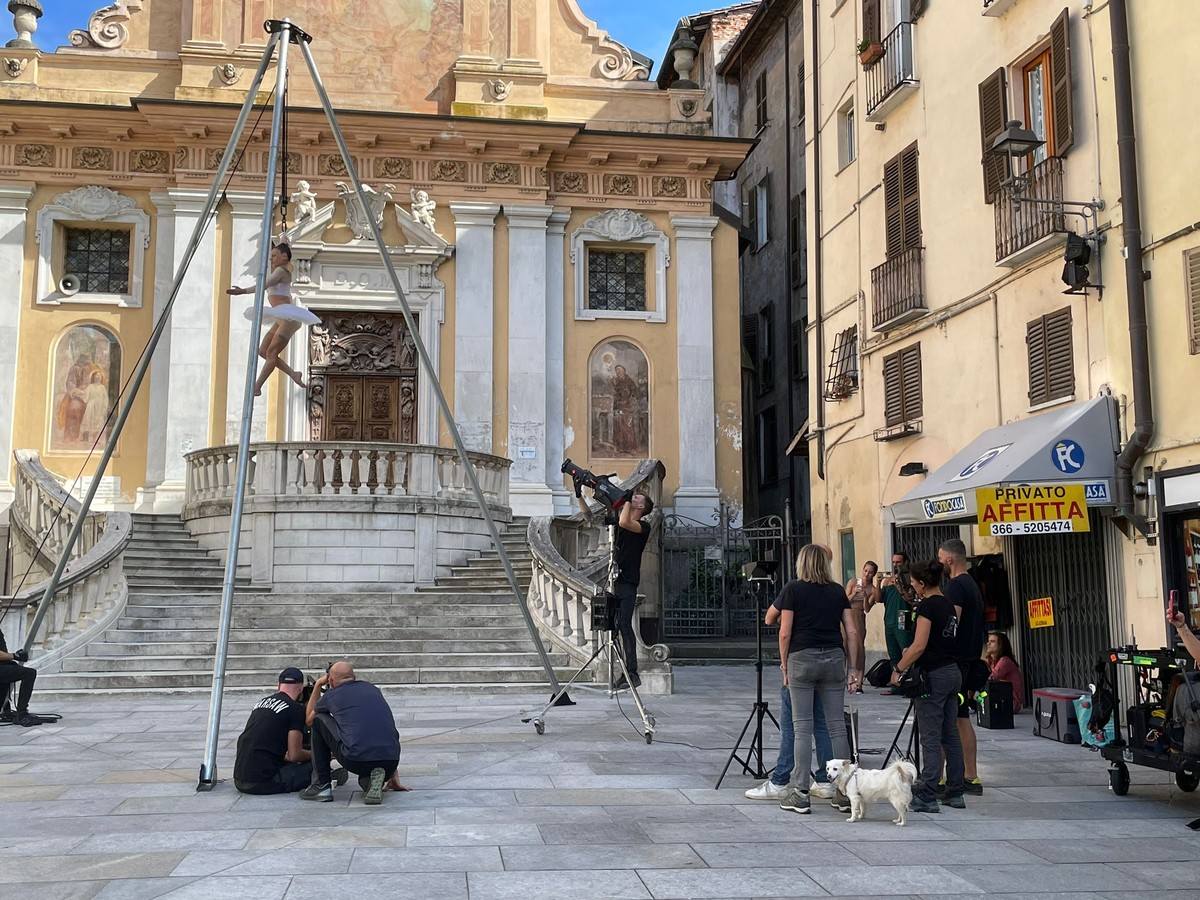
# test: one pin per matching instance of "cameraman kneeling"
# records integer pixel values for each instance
(11, 672)
(271, 758)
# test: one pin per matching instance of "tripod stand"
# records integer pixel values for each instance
(608, 644)
(762, 575)
(913, 749)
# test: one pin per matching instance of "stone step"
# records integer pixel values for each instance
(474, 582)
(313, 661)
(366, 608)
(182, 541)
(160, 558)
(261, 679)
(301, 623)
(447, 693)
(144, 637)
(321, 650)
(143, 585)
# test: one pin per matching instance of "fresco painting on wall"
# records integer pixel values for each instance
(620, 400)
(86, 379)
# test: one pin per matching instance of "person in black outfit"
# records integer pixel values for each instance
(13, 671)
(351, 720)
(271, 758)
(935, 649)
(963, 591)
(633, 531)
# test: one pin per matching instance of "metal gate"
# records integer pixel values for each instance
(920, 542)
(1070, 569)
(704, 591)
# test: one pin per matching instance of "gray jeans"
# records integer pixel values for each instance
(937, 719)
(811, 672)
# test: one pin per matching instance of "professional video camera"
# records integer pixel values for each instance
(602, 487)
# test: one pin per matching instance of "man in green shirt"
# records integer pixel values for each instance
(898, 603)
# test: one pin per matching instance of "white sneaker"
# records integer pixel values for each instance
(768, 790)
(821, 789)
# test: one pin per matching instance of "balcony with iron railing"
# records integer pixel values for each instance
(897, 290)
(997, 8)
(1027, 221)
(892, 76)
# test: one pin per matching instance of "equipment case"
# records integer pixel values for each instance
(996, 705)
(1054, 714)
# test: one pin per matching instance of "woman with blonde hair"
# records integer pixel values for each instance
(813, 612)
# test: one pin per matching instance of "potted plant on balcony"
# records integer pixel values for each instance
(869, 52)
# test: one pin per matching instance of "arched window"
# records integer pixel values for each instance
(619, 398)
(85, 381)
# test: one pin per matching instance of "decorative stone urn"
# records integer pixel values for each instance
(25, 22)
(683, 54)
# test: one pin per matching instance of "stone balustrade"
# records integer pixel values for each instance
(569, 569)
(359, 516)
(92, 591)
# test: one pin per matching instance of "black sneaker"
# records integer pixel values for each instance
(974, 787)
(955, 801)
(840, 802)
(374, 794)
(622, 685)
(26, 720)
(796, 802)
(322, 793)
(339, 776)
(924, 806)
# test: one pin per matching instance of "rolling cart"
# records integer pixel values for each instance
(1144, 740)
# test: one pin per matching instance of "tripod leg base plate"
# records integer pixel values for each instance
(563, 700)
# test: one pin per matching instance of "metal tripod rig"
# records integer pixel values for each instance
(283, 34)
(607, 644)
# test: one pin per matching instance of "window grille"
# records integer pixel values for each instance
(99, 257)
(842, 380)
(617, 280)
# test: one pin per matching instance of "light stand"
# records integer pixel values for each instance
(762, 576)
(913, 750)
(608, 643)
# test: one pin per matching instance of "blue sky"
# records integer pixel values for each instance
(644, 25)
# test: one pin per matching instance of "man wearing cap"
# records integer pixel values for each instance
(271, 758)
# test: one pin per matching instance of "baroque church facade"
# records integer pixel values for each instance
(547, 206)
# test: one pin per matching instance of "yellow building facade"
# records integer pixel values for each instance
(548, 209)
(960, 344)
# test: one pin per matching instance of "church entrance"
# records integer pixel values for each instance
(363, 374)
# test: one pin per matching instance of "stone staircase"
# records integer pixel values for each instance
(464, 634)
(485, 573)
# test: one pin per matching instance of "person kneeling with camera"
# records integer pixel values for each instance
(13, 671)
(351, 720)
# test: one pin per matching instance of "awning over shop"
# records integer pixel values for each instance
(1076, 444)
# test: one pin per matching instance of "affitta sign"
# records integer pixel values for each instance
(1032, 509)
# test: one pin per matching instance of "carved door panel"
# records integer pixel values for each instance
(362, 409)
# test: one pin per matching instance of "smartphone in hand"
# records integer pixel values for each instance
(1172, 609)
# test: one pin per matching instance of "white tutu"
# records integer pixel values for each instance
(285, 312)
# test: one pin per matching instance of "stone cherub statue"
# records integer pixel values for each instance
(305, 202)
(422, 209)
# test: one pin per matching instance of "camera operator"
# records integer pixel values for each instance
(351, 720)
(633, 531)
(271, 758)
(899, 600)
(13, 671)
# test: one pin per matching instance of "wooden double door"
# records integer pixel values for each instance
(363, 408)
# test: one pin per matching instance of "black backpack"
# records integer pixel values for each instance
(880, 674)
(1103, 701)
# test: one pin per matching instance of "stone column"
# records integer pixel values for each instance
(14, 204)
(246, 231)
(474, 315)
(159, 380)
(529, 494)
(697, 496)
(556, 373)
(189, 391)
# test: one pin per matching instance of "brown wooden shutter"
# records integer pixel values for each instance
(794, 240)
(910, 376)
(1060, 358)
(893, 221)
(893, 394)
(1060, 74)
(1191, 261)
(752, 215)
(1035, 341)
(872, 24)
(910, 202)
(750, 342)
(993, 117)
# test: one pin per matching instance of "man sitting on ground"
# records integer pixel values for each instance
(352, 721)
(12, 671)
(271, 758)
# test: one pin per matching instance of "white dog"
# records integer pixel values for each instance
(861, 786)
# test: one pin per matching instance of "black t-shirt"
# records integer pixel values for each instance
(630, 545)
(942, 647)
(364, 720)
(816, 614)
(963, 592)
(263, 743)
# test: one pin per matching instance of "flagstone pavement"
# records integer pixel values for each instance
(104, 805)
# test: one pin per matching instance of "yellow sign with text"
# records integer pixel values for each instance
(1032, 509)
(1041, 613)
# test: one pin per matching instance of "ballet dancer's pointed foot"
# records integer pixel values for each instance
(300, 381)
(258, 392)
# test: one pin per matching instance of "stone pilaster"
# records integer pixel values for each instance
(14, 205)
(189, 391)
(159, 380)
(529, 493)
(556, 373)
(246, 231)
(697, 496)
(474, 316)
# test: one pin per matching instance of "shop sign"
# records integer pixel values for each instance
(1032, 509)
(945, 506)
(980, 461)
(1041, 613)
(1097, 492)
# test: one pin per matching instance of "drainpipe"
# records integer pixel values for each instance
(1135, 285)
(787, 206)
(815, 257)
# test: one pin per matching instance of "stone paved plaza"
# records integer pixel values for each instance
(104, 805)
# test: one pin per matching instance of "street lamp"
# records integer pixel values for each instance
(1016, 141)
